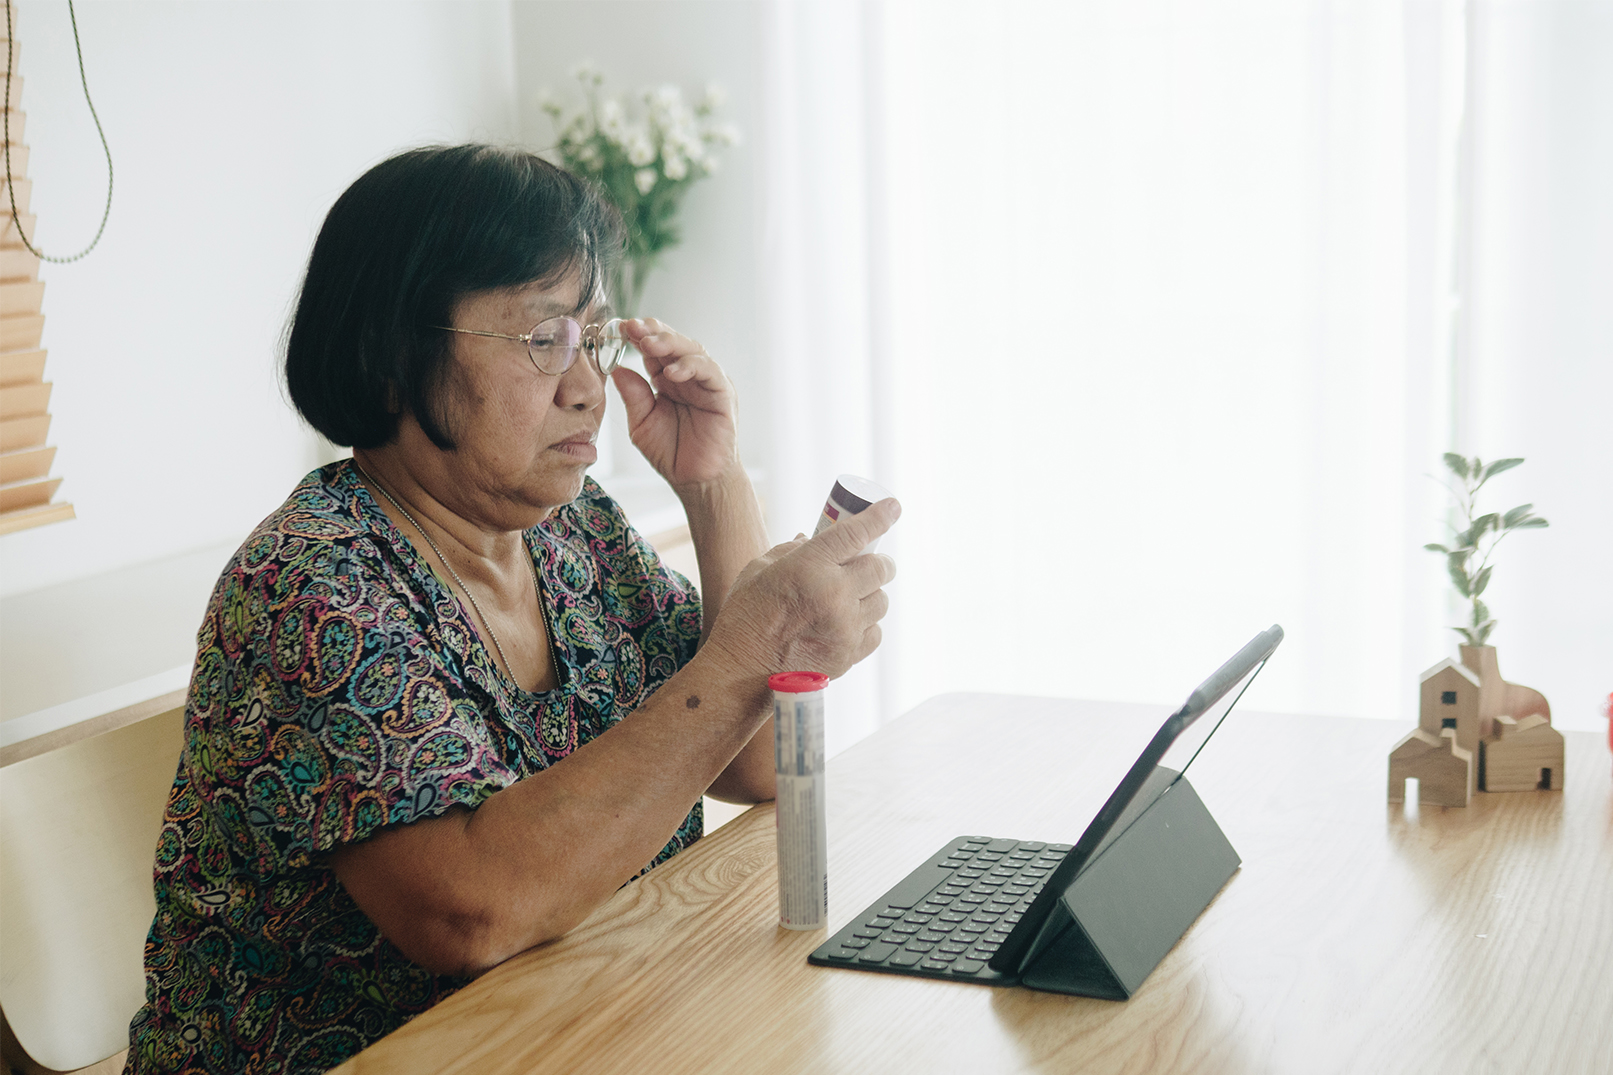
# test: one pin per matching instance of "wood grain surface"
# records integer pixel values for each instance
(1357, 937)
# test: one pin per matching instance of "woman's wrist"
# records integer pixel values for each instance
(733, 480)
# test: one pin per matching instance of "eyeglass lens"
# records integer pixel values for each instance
(554, 344)
(610, 345)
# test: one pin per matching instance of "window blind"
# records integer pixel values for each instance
(27, 490)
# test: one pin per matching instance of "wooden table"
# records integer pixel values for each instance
(1357, 937)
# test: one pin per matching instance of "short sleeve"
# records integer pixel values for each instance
(327, 708)
(657, 607)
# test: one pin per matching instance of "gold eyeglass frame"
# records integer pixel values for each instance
(588, 340)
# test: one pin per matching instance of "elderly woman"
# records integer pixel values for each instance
(446, 700)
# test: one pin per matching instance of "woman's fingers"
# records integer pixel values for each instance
(846, 539)
(870, 642)
(874, 607)
(637, 395)
(700, 368)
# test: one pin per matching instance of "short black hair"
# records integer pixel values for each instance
(406, 242)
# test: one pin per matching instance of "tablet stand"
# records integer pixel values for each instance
(1122, 913)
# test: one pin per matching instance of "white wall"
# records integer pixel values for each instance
(233, 127)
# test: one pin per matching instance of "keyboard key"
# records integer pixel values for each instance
(841, 953)
(971, 899)
(952, 916)
(971, 872)
(1015, 890)
(867, 931)
(1012, 918)
(988, 947)
(916, 919)
(949, 890)
(894, 913)
(968, 966)
(1021, 855)
(917, 946)
(855, 942)
(876, 953)
(977, 839)
(904, 959)
(931, 964)
(954, 949)
(881, 922)
(904, 927)
(1060, 848)
(1032, 845)
(1002, 845)
(974, 927)
(940, 903)
(942, 955)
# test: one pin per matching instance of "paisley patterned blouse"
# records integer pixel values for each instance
(339, 687)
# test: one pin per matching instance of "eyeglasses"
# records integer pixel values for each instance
(553, 344)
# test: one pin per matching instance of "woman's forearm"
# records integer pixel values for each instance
(725, 523)
(462, 892)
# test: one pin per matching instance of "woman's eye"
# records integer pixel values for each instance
(545, 341)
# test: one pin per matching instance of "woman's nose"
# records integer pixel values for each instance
(581, 387)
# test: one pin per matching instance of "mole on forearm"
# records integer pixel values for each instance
(693, 701)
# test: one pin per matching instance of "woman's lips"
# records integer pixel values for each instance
(580, 448)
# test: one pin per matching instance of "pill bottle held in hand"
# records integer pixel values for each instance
(850, 496)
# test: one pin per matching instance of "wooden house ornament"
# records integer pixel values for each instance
(1441, 752)
(1475, 731)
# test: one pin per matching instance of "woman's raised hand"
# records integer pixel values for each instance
(812, 604)
(682, 418)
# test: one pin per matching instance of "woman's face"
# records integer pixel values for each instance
(524, 437)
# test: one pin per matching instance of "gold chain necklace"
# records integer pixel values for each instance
(536, 585)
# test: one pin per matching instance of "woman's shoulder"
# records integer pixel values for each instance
(321, 530)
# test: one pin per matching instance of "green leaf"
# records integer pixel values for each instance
(1499, 466)
(1482, 581)
(1515, 516)
(1484, 632)
(1465, 633)
(1480, 613)
(1457, 464)
(1482, 525)
(1432, 547)
(1533, 522)
(1459, 578)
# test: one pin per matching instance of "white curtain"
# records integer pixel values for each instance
(1151, 314)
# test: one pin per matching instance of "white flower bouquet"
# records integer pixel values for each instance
(644, 164)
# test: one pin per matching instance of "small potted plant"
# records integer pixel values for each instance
(1467, 558)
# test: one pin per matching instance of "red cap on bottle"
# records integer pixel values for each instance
(798, 682)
